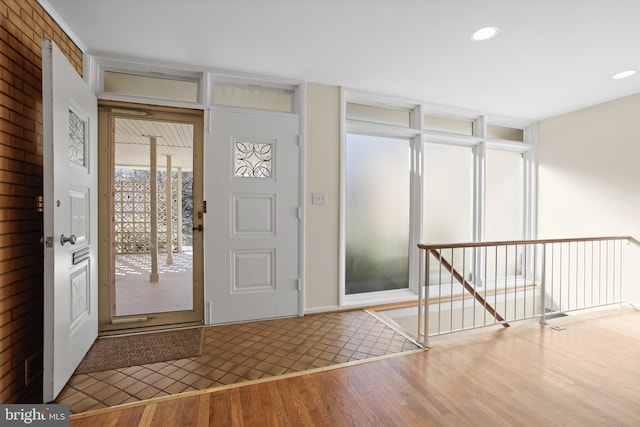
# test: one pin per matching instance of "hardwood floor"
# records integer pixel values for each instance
(579, 370)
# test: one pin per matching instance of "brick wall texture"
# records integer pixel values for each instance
(23, 24)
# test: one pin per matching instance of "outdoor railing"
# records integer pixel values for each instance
(471, 285)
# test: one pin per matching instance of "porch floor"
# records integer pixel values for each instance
(135, 294)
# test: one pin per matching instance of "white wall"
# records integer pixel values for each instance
(323, 175)
(589, 179)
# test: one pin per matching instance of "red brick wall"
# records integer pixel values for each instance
(23, 24)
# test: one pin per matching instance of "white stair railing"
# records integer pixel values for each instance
(471, 285)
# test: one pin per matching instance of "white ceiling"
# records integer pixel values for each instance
(550, 57)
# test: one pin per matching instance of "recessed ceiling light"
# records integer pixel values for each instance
(485, 33)
(624, 74)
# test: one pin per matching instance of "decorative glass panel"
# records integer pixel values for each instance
(77, 139)
(253, 159)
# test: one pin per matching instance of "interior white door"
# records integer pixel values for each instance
(251, 237)
(70, 222)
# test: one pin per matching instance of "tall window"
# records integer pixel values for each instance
(504, 195)
(377, 213)
(448, 194)
(448, 200)
(504, 209)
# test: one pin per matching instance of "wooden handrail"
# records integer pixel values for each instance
(518, 242)
(469, 288)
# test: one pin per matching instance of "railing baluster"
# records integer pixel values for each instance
(422, 283)
(495, 287)
(584, 274)
(425, 325)
(451, 295)
(553, 274)
(463, 293)
(515, 281)
(606, 282)
(484, 282)
(524, 275)
(593, 251)
(440, 291)
(568, 276)
(600, 272)
(533, 279)
(506, 275)
(620, 275)
(561, 276)
(543, 287)
(613, 268)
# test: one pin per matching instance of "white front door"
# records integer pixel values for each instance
(70, 219)
(252, 228)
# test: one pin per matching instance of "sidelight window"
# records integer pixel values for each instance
(377, 213)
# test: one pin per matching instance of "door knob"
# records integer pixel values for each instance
(71, 239)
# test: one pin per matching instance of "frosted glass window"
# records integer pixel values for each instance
(388, 116)
(504, 207)
(443, 124)
(504, 195)
(448, 194)
(377, 213)
(503, 132)
(154, 87)
(258, 98)
(448, 202)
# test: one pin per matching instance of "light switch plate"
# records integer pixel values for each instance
(319, 198)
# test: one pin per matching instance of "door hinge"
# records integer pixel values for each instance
(299, 140)
(299, 212)
(299, 283)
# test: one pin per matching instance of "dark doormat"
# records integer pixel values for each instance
(140, 349)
